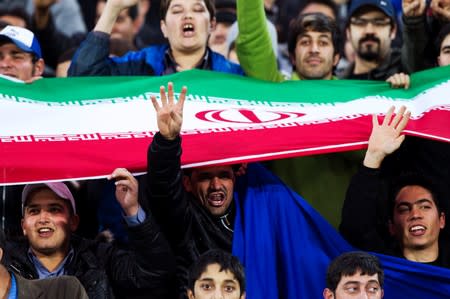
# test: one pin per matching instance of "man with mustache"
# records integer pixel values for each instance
(195, 207)
(371, 28)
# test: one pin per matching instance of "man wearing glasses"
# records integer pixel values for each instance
(371, 28)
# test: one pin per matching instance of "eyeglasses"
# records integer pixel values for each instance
(378, 22)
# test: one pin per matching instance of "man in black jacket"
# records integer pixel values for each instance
(195, 209)
(106, 271)
(413, 213)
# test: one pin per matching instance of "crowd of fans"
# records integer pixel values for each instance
(396, 203)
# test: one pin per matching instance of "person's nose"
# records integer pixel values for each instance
(416, 213)
(370, 28)
(215, 183)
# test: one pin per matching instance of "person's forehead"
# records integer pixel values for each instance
(412, 193)
(315, 34)
(446, 42)
(213, 169)
(6, 44)
(186, 2)
(359, 278)
(212, 272)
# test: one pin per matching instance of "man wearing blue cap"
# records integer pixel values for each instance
(20, 54)
(371, 28)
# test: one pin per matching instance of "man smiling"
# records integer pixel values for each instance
(20, 54)
(51, 248)
(402, 217)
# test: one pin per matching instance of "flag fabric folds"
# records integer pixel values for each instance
(286, 246)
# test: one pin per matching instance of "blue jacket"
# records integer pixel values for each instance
(92, 59)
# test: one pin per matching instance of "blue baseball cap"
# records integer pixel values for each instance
(384, 5)
(23, 38)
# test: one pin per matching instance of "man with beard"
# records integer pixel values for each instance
(371, 28)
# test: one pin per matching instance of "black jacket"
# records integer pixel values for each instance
(189, 227)
(365, 217)
(106, 271)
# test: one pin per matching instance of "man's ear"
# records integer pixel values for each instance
(23, 229)
(393, 32)
(187, 183)
(1, 254)
(212, 25)
(74, 222)
(336, 59)
(38, 68)
(190, 294)
(442, 220)
(327, 294)
(243, 295)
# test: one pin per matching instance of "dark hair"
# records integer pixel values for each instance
(188, 171)
(18, 12)
(329, 3)
(225, 260)
(2, 239)
(164, 7)
(445, 30)
(312, 22)
(347, 264)
(414, 179)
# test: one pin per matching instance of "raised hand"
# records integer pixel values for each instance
(386, 137)
(413, 8)
(110, 13)
(127, 188)
(170, 113)
(441, 9)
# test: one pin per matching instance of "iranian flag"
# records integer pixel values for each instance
(76, 128)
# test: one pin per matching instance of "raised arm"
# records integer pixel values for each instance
(110, 13)
(254, 45)
(415, 36)
(362, 211)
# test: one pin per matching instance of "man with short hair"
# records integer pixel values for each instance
(354, 275)
(312, 43)
(105, 270)
(195, 209)
(20, 54)
(402, 217)
(14, 286)
(371, 27)
(216, 274)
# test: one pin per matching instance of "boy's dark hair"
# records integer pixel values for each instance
(347, 264)
(329, 3)
(312, 22)
(225, 260)
(414, 179)
(210, 5)
(445, 30)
